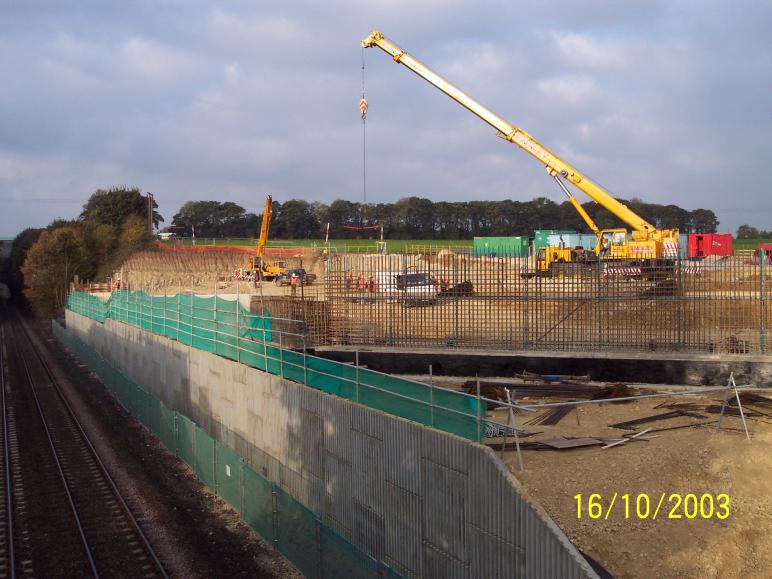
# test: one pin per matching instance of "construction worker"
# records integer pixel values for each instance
(294, 278)
(361, 283)
(371, 284)
(349, 280)
(444, 283)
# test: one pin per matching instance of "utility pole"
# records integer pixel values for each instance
(150, 213)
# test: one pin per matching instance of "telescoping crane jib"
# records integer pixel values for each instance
(257, 264)
(647, 241)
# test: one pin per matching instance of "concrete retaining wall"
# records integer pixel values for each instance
(427, 503)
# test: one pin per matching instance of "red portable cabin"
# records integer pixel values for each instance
(764, 250)
(705, 244)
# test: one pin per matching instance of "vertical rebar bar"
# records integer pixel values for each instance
(356, 361)
(281, 355)
(762, 304)
(238, 323)
(479, 410)
(511, 418)
(599, 306)
(431, 397)
(526, 314)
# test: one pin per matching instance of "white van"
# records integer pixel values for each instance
(415, 288)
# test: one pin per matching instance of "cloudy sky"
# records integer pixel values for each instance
(668, 101)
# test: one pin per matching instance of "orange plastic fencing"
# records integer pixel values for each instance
(273, 252)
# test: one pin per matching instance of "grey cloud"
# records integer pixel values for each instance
(667, 101)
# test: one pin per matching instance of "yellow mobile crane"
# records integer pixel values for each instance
(646, 246)
(260, 268)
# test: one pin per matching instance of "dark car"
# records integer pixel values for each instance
(305, 278)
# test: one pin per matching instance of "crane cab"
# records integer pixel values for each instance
(612, 243)
(616, 244)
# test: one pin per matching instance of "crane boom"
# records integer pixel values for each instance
(264, 226)
(641, 229)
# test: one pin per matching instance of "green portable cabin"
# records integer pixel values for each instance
(541, 236)
(500, 246)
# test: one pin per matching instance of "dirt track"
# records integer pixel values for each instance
(691, 460)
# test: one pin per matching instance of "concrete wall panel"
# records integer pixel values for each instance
(428, 503)
(403, 521)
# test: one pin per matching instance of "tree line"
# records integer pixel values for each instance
(745, 231)
(113, 224)
(419, 218)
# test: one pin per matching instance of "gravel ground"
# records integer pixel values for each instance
(690, 460)
(194, 532)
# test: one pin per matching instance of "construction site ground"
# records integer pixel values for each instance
(697, 460)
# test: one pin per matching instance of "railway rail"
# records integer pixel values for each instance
(61, 514)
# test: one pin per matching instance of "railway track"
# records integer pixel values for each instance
(61, 514)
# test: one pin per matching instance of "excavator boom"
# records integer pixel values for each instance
(556, 167)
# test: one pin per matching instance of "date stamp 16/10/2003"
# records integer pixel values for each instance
(642, 506)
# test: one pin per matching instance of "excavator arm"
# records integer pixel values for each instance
(556, 167)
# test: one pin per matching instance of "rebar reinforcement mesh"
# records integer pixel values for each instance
(713, 305)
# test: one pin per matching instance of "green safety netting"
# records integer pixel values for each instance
(297, 533)
(205, 458)
(226, 328)
(258, 503)
(186, 440)
(313, 547)
(228, 476)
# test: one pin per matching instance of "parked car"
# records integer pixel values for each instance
(411, 289)
(305, 277)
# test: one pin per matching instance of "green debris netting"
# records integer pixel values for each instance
(167, 432)
(205, 451)
(226, 328)
(298, 528)
(258, 504)
(228, 472)
(313, 547)
(337, 560)
(186, 440)
(154, 415)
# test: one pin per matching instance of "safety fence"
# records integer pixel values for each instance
(290, 526)
(711, 305)
(224, 327)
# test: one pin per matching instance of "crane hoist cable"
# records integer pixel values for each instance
(363, 113)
